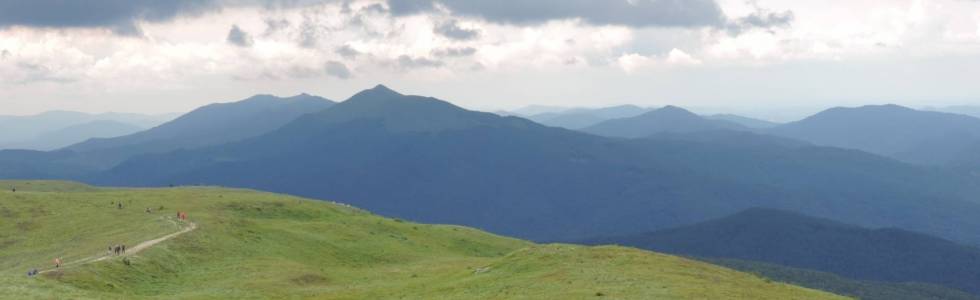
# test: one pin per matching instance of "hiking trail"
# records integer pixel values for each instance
(190, 226)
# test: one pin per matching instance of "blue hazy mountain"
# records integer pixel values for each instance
(796, 240)
(669, 119)
(73, 134)
(51, 130)
(209, 125)
(577, 118)
(531, 110)
(744, 121)
(424, 159)
(969, 110)
(922, 137)
(213, 124)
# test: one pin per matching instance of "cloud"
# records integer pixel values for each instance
(337, 69)
(632, 62)
(273, 26)
(238, 37)
(679, 57)
(408, 62)
(120, 16)
(452, 30)
(347, 51)
(635, 13)
(454, 52)
(761, 18)
(408, 7)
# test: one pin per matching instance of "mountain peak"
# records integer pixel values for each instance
(668, 119)
(380, 88)
(407, 112)
(672, 110)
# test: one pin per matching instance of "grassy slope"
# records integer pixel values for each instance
(261, 245)
(862, 289)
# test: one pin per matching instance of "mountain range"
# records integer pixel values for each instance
(921, 137)
(424, 159)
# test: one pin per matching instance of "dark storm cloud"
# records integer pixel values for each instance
(636, 13)
(119, 15)
(452, 30)
(238, 37)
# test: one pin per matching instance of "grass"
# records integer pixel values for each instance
(255, 245)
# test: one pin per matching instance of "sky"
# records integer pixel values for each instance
(759, 57)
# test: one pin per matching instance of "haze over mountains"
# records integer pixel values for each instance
(56, 129)
(209, 125)
(670, 119)
(902, 133)
(206, 126)
(577, 118)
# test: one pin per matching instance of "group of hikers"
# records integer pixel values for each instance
(117, 249)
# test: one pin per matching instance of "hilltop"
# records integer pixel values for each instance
(796, 240)
(261, 245)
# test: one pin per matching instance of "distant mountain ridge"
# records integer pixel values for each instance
(577, 118)
(56, 129)
(796, 240)
(210, 125)
(77, 133)
(669, 119)
(744, 121)
(921, 137)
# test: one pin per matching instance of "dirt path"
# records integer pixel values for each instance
(129, 251)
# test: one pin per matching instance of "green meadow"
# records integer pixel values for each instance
(258, 245)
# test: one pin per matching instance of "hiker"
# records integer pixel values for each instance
(110, 251)
(116, 249)
(57, 262)
(124, 249)
(120, 205)
(147, 210)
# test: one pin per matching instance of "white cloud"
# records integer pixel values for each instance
(679, 57)
(631, 62)
(290, 48)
